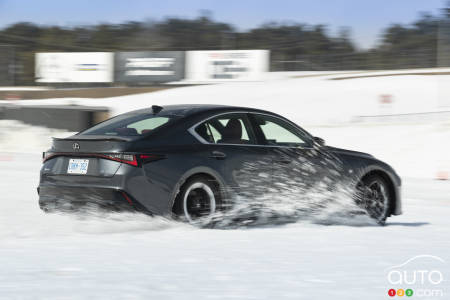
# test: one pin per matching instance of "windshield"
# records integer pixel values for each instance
(129, 125)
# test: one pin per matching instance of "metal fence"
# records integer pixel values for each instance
(371, 60)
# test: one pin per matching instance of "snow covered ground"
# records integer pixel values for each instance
(129, 256)
(137, 257)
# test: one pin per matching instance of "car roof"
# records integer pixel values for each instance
(190, 109)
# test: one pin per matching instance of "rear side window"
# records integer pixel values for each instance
(129, 125)
(226, 129)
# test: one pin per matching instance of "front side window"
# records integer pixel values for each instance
(129, 125)
(277, 132)
(226, 129)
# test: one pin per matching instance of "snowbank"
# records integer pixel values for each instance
(19, 137)
(418, 150)
(315, 100)
(324, 106)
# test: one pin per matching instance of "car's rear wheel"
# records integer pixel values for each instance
(198, 200)
(373, 195)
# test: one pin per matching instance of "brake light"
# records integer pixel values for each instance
(122, 157)
(131, 159)
(146, 158)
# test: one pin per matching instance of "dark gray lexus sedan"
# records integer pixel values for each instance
(187, 161)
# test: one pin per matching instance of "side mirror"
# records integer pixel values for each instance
(319, 141)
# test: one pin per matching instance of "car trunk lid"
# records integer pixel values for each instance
(90, 144)
(78, 155)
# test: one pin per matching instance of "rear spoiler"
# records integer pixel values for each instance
(94, 138)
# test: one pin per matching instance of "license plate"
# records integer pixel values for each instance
(78, 166)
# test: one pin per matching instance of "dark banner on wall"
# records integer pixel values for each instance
(69, 117)
(149, 66)
(6, 65)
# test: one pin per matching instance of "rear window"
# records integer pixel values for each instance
(129, 125)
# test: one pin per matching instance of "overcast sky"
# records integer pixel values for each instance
(366, 18)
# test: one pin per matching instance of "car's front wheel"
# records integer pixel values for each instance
(198, 200)
(373, 195)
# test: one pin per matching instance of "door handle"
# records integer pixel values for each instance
(218, 155)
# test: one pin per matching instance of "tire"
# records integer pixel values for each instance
(373, 195)
(199, 198)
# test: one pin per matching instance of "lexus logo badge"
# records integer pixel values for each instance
(76, 146)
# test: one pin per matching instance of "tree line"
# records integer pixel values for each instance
(293, 46)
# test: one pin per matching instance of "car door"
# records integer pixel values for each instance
(233, 152)
(297, 165)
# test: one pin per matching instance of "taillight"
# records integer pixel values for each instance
(122, 157)
(131, 159)
(146, 158)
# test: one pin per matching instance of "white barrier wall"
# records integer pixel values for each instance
(226, 65)
(82, 67)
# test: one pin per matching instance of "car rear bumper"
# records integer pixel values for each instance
(122, 188)
(70, 198)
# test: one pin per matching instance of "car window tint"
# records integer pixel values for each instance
(204, 131)
(278, 132)
(149, 124)
(226, 129)
(129, 125)
(224, 122)
(215, 134)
